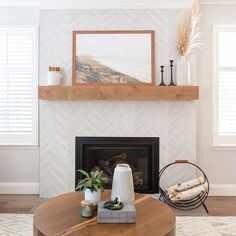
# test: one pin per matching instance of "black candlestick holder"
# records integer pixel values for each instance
(162, 78)
(171, 74)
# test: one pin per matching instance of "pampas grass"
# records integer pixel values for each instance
(188, 34)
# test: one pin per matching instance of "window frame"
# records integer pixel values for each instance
(224, 142)
(24, 139)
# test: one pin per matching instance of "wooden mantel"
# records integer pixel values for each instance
(111, 92)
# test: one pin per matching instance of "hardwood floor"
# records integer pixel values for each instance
(217, 206)
(221, 206)
(11, 203)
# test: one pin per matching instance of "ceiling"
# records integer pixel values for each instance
(111, 4)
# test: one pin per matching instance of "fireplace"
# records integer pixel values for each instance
(104, 153)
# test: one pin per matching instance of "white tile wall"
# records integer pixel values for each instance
(60, 121)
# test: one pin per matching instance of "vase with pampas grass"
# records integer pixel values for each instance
(188, 41)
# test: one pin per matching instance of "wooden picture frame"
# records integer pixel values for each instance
(100, 62)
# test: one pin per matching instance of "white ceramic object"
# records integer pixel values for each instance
(122, 185)
(54, 78)
(95, 197)
(183, 72)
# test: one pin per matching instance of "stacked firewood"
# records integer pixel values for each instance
(187, 190)
(108, 167)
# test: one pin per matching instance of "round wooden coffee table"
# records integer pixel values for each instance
(61, 216)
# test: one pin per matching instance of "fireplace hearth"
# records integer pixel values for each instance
(104, 153)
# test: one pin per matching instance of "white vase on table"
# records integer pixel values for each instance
(94, 197)
(122, 184)
(183, 72)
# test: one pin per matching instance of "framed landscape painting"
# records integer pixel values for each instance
(113, 57)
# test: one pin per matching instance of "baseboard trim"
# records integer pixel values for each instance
(222, 190)
(19, 188)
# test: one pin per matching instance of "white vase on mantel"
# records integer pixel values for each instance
(183, 72)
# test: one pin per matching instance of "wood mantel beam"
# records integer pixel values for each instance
(111, 92)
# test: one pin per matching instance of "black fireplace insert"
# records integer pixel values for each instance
(104, 153)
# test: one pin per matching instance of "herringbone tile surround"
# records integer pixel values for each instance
(60, 121)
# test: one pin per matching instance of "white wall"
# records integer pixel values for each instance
(19, 164)
(218, 164)
(19, 167)
(22, 164)
(19, 15)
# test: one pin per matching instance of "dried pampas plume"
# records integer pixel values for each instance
(188, 34)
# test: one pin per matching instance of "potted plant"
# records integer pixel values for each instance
(92, 185)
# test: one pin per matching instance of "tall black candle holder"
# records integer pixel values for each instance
(162, 78)
(171, 74)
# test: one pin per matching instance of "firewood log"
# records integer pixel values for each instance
(184, 186)
(190, 193)
(96, 168)
(120, 157)
(108, 170)
(109, 165)
(118, 162)
(138, 178)
(103, 163)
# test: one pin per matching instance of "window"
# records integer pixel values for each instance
(18, 85)
(224, 86)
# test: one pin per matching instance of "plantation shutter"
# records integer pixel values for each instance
(18, 85)
(225, 128)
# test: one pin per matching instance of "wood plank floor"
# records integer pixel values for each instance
(217, 206)
(17, 203)
(221, 206)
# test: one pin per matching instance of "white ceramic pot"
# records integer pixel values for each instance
(54, 78)
(122, 185)
(95, 197)
(183, 72)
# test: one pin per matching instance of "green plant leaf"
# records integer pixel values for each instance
(96, 174)
(92, 174)
(81, 182)
(95, 187)
(98, 181)
(80, 187)
(84, 173)
(93, 181)
(99, 174)
(88, 184)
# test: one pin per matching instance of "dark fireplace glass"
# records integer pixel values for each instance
(142, 154)
(106, 159)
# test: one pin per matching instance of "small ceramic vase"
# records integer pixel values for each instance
(94, 197)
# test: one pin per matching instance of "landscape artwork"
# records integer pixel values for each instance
(113, 57)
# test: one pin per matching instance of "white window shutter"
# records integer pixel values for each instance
(225, 86)
(18, 85)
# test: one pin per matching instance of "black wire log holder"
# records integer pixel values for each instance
(184, 205)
